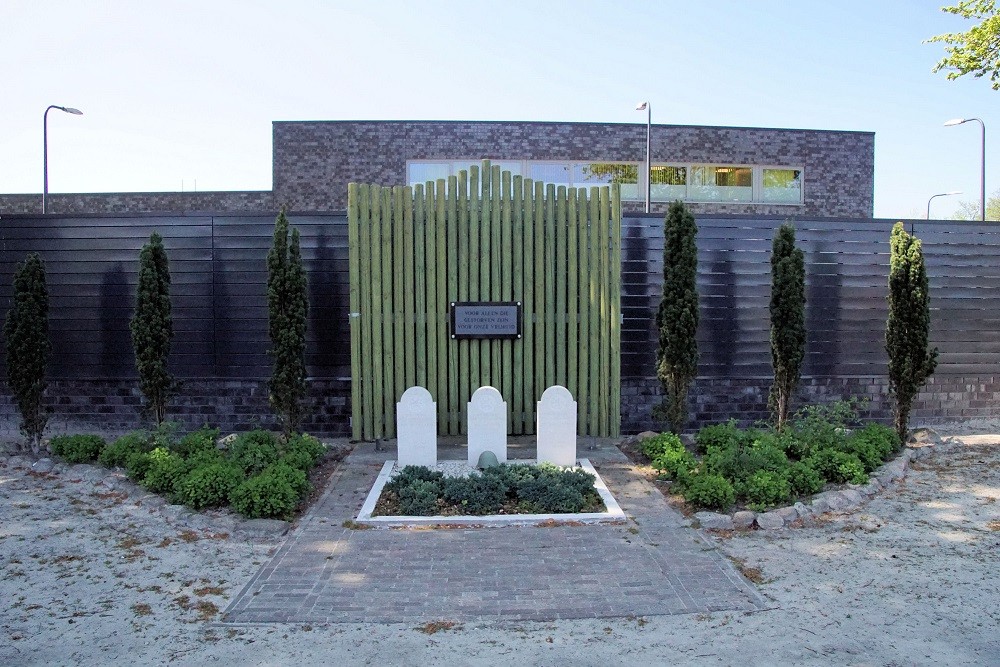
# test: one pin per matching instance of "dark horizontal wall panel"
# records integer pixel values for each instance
(218, 290)
(847, 266)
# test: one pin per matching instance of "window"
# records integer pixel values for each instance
(586, 174)
(721, 184)
(782, 186)
(667, 183)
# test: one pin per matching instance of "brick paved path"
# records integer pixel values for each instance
(325, 573)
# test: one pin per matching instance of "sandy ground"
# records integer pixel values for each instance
(909, 578)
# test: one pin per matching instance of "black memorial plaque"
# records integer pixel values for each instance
(485, 319)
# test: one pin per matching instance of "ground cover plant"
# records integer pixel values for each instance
(499, 489)
(259, 474)
(760, 468)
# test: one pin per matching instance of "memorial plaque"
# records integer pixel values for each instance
(485, 319)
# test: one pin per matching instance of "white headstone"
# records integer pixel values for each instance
(416, 428)
(487, 425)
(556, 427)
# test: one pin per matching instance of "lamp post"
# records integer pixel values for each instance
(942, 194)
(648, 108)
(982, 173)
(45, 149)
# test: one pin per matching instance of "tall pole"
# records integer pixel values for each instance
(982, 163)
(940, 194)
(649, 124)
(45, 150)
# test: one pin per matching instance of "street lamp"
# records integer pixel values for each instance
(982, 173)
(942, 194)
(45, 148)
(648, 108)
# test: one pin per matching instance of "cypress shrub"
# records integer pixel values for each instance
(288, 307)
(28, 347)
(152, 327)
(907, 331)
(788, 321)
(677, 318)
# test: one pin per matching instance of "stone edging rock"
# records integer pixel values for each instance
(104, 480)
(922, 444)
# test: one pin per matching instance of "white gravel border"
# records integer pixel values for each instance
(614, 513)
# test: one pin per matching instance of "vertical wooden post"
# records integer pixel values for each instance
(541, 305)
(388, 358)
(451, 294)
(463, 370)
(506, 294)
(365, 262)
(604, 283)
(420, 283)
(378, 388)
(560, 287)
(517, 277)
(572, 293)
(529, 309)
(595, 312)
(398, 300)
(485, 254)
(440, 303)
(583, 372)
(354, 313)
(475, 372)
(410, 321)
(430, 269)
(615, 281)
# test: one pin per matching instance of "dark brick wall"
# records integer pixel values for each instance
(115, 407)
(945, 398)
(257, 201)
(314, 160)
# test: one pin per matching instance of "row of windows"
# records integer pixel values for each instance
(688, 182)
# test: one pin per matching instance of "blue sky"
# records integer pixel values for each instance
(178, 92)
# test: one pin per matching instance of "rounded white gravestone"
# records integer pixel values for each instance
(416, 428)
(556, 427)
(487, 428)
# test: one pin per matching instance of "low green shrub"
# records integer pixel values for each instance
(209, 485)
(805, 480)
(709, 491)
(265, 496)
(419, 498)
(510, 475)
(673, 458)
(718, 436)
(78, 448)
(476, 494)
(659, 444)
(116, 454)
(165, 469)
(873, 445)
(739, 463)
(543, 496)
(197, 441)
(253, 451)
(766, 489)
(302, 447)
(296, 478)
(410, 474)
(136, 466)
(838, 467)
(823, 426)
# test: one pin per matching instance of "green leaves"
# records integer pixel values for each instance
(677, 317)
(907, 333)
(28, 347)
(976, 51)
(152, 326)
(788, 320)
(288, 308)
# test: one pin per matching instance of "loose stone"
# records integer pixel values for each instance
(770, 521)
(714, 521)
(743, 519)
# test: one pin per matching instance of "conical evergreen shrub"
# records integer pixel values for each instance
(152, 327)
(788, 321)
(288, 308)
(28, 347)
(677, 318)
(907, 331)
